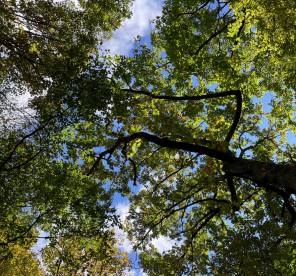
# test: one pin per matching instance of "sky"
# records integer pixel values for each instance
(123, 39)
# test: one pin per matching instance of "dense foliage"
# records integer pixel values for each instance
(45, 46)
(67, 256)
(183, 120)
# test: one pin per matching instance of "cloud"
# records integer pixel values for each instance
(41, 242)
(14, 110)
(143, 11)
(163, 244)
(122, 211)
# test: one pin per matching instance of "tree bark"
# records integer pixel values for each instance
(280, 176)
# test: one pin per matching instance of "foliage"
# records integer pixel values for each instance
(45, 47)
(213, 179)
(17, 259)
(77, 256)
(43, 39)
(68, 256)
(183, 121)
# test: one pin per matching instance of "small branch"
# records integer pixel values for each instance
(252, 147)
(190, 13)
(153, 224)
(166, 179)
(213, 36)
(284, 196)
(207, 218)
(26, 162)
(232, 190)
(144, 160)
(233, 127)
(286, 200)
(239, 32)
(135, 171)
(100, 157)
(28, 229)
(22, 140)
(210, 216)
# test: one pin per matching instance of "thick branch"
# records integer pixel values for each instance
(276, 175)
(263, 173)
(165, 142)
(184, 98)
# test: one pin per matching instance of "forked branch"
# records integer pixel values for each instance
(236, 93)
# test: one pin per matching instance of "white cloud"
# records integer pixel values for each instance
(143, 11)
(41, 242)
(163, 244)
(122, 211)
(14, 110)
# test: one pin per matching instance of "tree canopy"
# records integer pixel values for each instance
(67, 256)
(45, 47)
(184, 121)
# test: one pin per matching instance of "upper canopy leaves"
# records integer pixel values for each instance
(43, 39)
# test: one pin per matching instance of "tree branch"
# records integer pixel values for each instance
(135, 171)
(232, 190)
(28, 229)
(165, 142)
(213, 36)
(184, 98)
(236, 93)
(22, 140)
(233, 127)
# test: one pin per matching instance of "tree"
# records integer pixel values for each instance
(77, 256)
(45, 48)
(46, 39)
(44, 44)
(214, 180)
(72, 256)
(17, 259)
